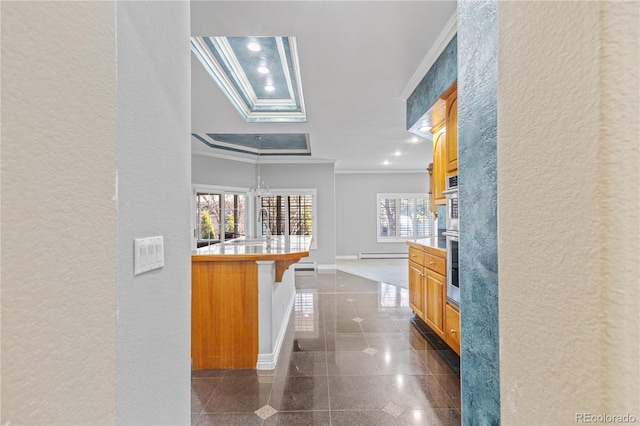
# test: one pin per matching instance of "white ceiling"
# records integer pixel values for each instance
(356, 58)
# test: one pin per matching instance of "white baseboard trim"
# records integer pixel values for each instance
(327, 266)
(384, 256)
(270, 361)
(347, 257)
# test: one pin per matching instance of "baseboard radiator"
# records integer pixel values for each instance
(383, 255)
(305, 268)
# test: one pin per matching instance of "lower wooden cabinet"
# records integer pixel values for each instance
(452, 330)
(428, 293)
(434, 302)
(416, 288)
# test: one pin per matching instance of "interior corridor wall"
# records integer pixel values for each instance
(224, 172)
(356, 209)
(153, 159)
(568, 209)
(58, 258)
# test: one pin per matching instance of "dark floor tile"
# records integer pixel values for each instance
(201, 391)
(239, 394)
(432, 416)
(351, 364)
(194, 417)
(389, 342)
(305, 364)
(363, 418)
(375, 392)
(300, 393)
(450, 384)
(346, 342)
(370, 314)
(310, 345)
(229, 419)
(379, 326)
(400, 362)
(299, 418)
(437, 363)
(358, 392)
(207, 373)
(400, 313)
(348, 326)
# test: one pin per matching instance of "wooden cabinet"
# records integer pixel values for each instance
(452, 133)
(416, 288)
(434, 316)
(452, 328)
(439, 158)
(445, 146)
(427, 290)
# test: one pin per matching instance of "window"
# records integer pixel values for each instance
(402, 217)
(219, 216)
(289, 213)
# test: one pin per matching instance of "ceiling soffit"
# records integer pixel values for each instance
(273, 95)
(258, 144)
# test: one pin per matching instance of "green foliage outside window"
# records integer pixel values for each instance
(206, 227)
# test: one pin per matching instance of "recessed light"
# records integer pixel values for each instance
(415, 139)
(263, 70)
(254, 47)
(385, 162)
(424, 128)
(397, 153)
(269, 88)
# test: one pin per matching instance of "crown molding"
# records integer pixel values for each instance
(263, 159)
(377, 172)
(448, 32)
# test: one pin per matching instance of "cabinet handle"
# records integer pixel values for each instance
(414, 255)
(453, 331)
(432, 263)
(421, 274)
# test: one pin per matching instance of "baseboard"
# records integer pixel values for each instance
(270, 361)
(327, 266)
(347, 257)
(404, 255)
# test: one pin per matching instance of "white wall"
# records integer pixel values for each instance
(217, 171)
(154, 181)
(58, 213)
(356, 233)
(568, 210)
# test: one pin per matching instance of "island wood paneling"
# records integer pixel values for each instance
(224, 313)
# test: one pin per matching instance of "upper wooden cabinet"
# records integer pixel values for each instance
(445, 145)
(439, 159)
(452, 132)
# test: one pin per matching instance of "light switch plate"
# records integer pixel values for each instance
(148, 254)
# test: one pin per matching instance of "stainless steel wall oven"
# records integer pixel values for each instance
(452, 238)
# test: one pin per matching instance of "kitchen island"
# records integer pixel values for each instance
(241, 295)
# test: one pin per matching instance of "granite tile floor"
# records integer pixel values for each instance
(352, 355)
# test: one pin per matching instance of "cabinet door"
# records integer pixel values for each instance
(434, 301)
(439, 159)
(452, 328)
(452, 134)
(416, 288)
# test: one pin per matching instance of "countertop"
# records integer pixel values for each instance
(280, 248)
(439, 243)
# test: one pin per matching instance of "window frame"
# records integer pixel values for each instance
(286, 193)
(397, 196)
(222, 191)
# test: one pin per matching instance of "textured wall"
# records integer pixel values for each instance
(442, 74)
(58, 213)
(568, 213)
(477, 138)
(154, 187)
(356, 233)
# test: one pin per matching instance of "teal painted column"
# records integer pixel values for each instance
(478, 249)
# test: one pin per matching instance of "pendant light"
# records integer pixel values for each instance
(259, 188)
